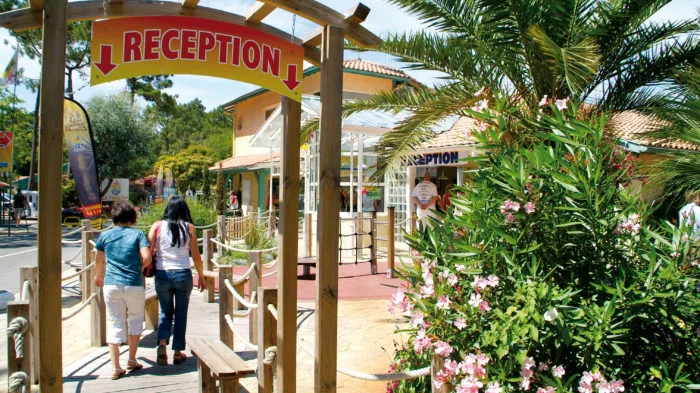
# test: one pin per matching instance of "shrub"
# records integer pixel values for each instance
(201, 215)
(258, 238)
(547, 274)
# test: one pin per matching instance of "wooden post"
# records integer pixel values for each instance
(414, 219)
(207, 383)
(98, 315)
(221, 230)
(207, 253)
(255, 258)
(391, 242)
(373, 239)
(436, 364)
(308, 235)
(225, 305)
(31, 275)
(19, 309)
(326, 357)
(53, 60)
(85, 283)
(267, 337)
(288, 247)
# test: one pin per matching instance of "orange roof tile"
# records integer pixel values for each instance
(455, 136)
(630, 125)
(367, 66)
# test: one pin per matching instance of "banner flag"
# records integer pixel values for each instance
(9, 76)
(81, 152)
(6, 151)
(168, 184)
(159, 185)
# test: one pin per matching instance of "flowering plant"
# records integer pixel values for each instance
(547, 275)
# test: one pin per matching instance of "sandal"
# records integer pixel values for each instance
(161, 356)
(118, 373)
(133, 365)
(179, 357)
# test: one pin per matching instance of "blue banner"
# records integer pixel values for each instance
(81, 152)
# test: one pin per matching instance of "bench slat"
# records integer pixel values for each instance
(221, 360)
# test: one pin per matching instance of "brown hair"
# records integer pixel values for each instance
(123, 212)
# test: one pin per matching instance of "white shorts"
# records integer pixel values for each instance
(423, 216)
(124, 304)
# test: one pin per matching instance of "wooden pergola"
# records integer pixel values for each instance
(334, 27)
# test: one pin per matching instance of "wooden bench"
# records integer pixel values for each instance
(217, 361)
(307, 263)
(151, 309)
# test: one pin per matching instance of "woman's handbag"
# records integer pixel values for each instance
(150, 270)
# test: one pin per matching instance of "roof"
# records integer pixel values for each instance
(243, 161)
(4, 185)
(455, 136)
(630, 125)
(355, 66)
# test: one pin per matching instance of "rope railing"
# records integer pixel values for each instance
(409, 374)
(92, 242)
(270, 265)
(71, 241)
(79, 272)
(25, 290)
(206, 226)
(240, 298)
(71, 259)
(16, 329)
(79, 229)
(80, 307)
(242, 279)
(229, 322)
(241, 249)
(18, 382)
(272, 273)
(273, 310)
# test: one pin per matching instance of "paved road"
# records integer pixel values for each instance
(19, 249)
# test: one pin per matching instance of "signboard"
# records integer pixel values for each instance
(153, 45)
(442, 158)
(373, 199)
(118, 190)
(78, 136)
(6, 151)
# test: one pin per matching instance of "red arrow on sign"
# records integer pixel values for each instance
(4, 140)
(291, 80)
(105, 65)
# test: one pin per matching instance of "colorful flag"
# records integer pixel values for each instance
(9, 76)
(81, 152)
(159, 185)
(168, 184)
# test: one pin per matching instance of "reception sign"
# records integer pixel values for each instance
(81, 152)
(131, 47)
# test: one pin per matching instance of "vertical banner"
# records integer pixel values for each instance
(81, 152)
(118, 190)
(6, 152)
(159, 186)
(168, 184)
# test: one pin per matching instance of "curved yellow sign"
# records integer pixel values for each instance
(131, 47)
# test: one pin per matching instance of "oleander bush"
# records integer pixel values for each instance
(547, 274)
(202, 215)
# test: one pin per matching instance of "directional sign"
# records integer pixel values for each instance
(131, 47)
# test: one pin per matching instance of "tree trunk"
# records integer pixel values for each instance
(35, 140)
(69, 83)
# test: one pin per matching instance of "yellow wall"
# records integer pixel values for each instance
(253, 198)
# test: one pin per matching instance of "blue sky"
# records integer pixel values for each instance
(383, 19)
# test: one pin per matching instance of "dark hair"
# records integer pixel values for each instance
(123, 212)
(177, 214)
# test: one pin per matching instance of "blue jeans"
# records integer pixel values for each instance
(173, 288)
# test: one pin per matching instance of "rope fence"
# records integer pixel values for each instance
(18, 382)
(79, 272)
(222, 245)
(71, 241)
(71, 259)
(240, 298)
(16, 329)
(239, 336)
(73, 232)
(80, 307)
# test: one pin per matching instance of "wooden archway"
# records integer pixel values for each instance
(334, 28)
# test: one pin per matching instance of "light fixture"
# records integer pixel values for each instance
(442, 177)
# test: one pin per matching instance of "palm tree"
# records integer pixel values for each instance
(603, 52)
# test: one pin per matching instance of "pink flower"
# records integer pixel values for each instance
(561, 104)
(543, 366)
(398, 297)
(427, 291)
(421, 341)
(439, 380)
(474, 300)
(525, 384)
(467, 133)
(526, 373)
(515, 206)
(469, 385)
(544, 101)
(460, 268)
(617, 385)
(529, 363)
(529, 208)
(484, 306)
(443, 349)
(493, 281)
(509, 218)
(493, 387)
(482, 359)
(558, 371)
(451, 367)
(460, 323)
(585, 387)
(452, 280)
(443, 302)
(443, 274)
(507, 205)
(483, 126)
(548, 389)
(481, 105)
(480, 283)
(417, 319)
(480, 92)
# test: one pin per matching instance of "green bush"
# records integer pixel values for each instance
(201, 215)
(547, 274)
(258, 238)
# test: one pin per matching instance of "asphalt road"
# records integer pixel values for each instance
(20, 249)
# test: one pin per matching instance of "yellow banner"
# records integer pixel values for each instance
(6, 151)
(154, 45)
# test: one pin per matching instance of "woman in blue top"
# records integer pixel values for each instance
(126, 252)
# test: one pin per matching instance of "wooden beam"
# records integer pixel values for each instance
(258, 12)
(31, 275)
(353, 17)
(267, 337)
(19, 309)
(288, 247)
(189, 3)
(116, 1)
(325, 16)
(328, 211)
(36, 5)
(26, 19)
(53, 60)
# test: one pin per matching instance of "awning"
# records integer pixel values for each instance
(244, 162)
(4, 185)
